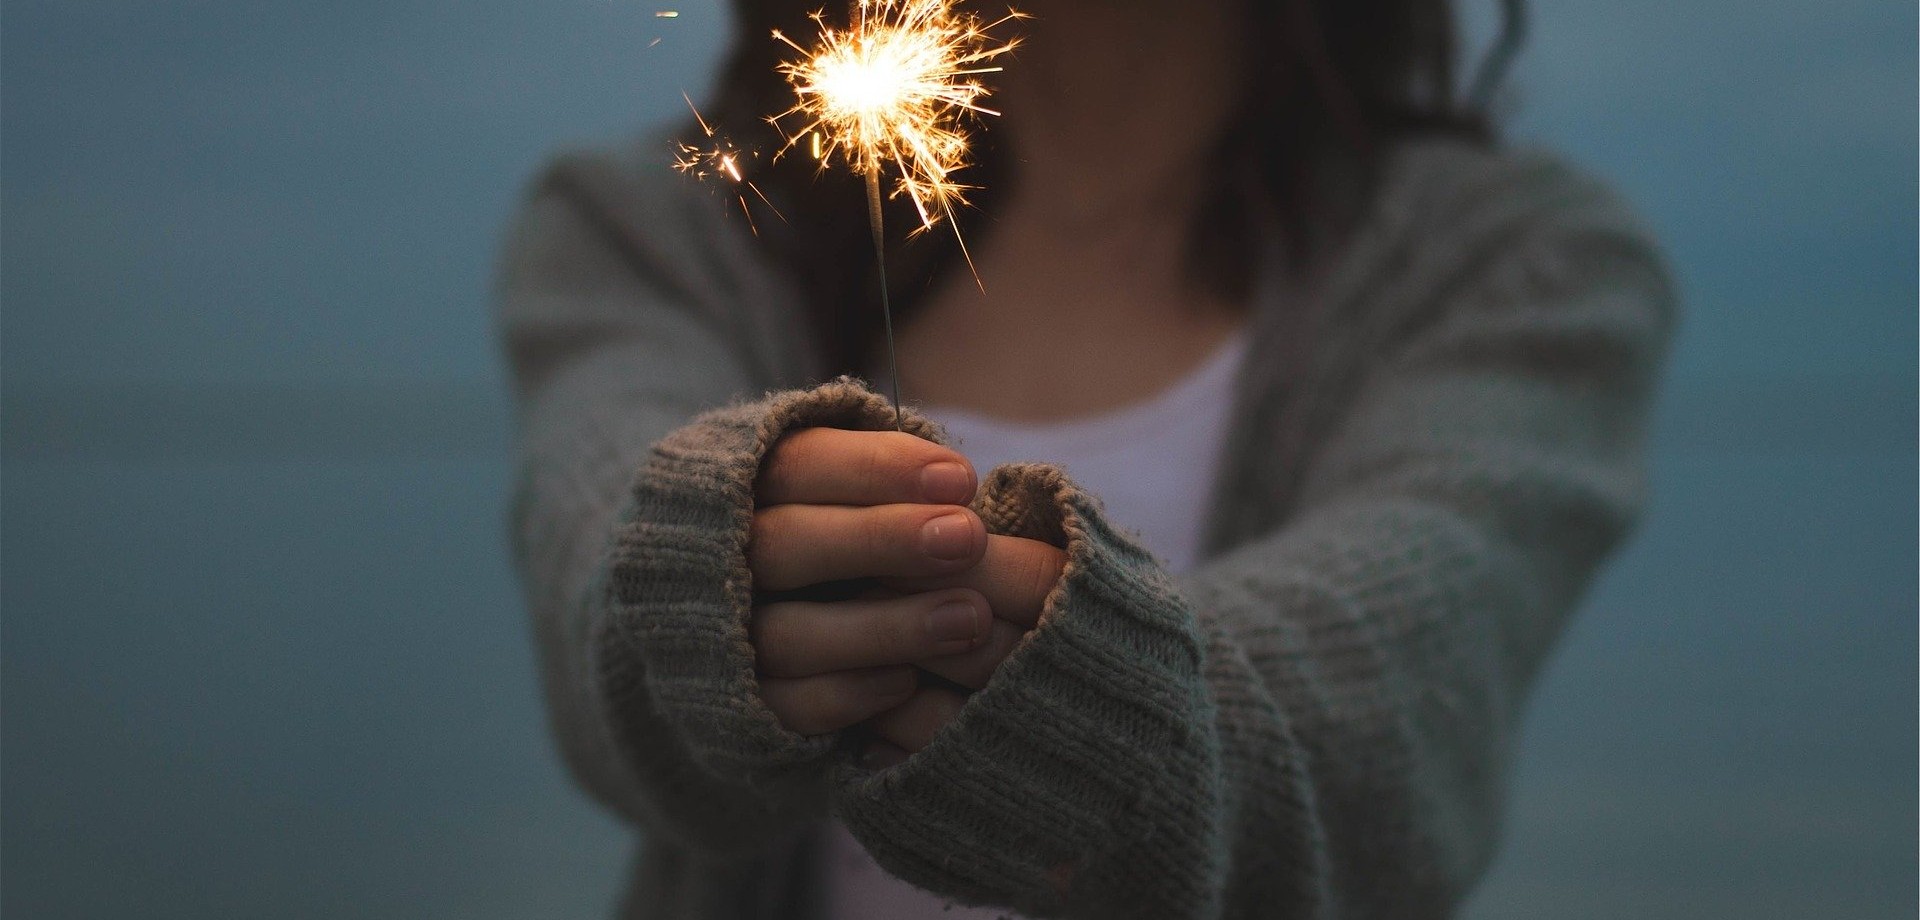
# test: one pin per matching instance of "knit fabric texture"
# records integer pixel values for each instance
(1436, 441)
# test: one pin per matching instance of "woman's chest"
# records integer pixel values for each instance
(1046, 348)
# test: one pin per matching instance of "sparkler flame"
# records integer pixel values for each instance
(894, 89)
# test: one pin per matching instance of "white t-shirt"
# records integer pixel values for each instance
(1153, 465)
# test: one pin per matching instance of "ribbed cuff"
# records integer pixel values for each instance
(1083, 777)
(679, 594)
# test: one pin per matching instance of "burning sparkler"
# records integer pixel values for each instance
(894, 89)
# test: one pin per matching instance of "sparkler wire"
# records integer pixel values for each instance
(877, 224)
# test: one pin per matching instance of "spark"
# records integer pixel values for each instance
(894, 90)
(721, 158)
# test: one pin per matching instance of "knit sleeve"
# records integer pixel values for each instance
(624, 320)
(675, 667)
(1318, 723)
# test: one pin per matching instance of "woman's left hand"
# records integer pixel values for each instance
(1015, 575)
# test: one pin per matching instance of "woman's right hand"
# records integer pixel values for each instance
(834, 505)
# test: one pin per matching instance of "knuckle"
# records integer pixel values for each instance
(902, 449)
(783, 546)
(873, 467)
(1043, 565)
(884, 529)
(804, 442)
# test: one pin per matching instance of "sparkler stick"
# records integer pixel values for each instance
(878, 226)
(891, 91)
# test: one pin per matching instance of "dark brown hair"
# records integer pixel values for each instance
(1333, 85)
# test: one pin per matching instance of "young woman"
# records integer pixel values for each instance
(1336, 405)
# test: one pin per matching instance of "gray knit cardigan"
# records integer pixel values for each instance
(1434, 443)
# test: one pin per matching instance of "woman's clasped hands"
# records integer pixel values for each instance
(881, 516)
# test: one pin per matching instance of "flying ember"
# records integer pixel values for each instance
(721, 157)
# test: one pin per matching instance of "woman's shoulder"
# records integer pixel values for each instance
(1456, 226)
(1467, 190)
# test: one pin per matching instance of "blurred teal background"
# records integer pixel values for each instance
(263, 652)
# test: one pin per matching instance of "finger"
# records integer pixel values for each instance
(973, 668)
(829, 702)
(912, 725)
(798, 638)
(830, 466)
(1015, 574)
(791, 546)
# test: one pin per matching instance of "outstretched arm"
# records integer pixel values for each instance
(626, 310)
(1318, 723)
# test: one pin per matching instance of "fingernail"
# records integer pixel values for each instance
(953, 621)
(949, 537)
(946, 482)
